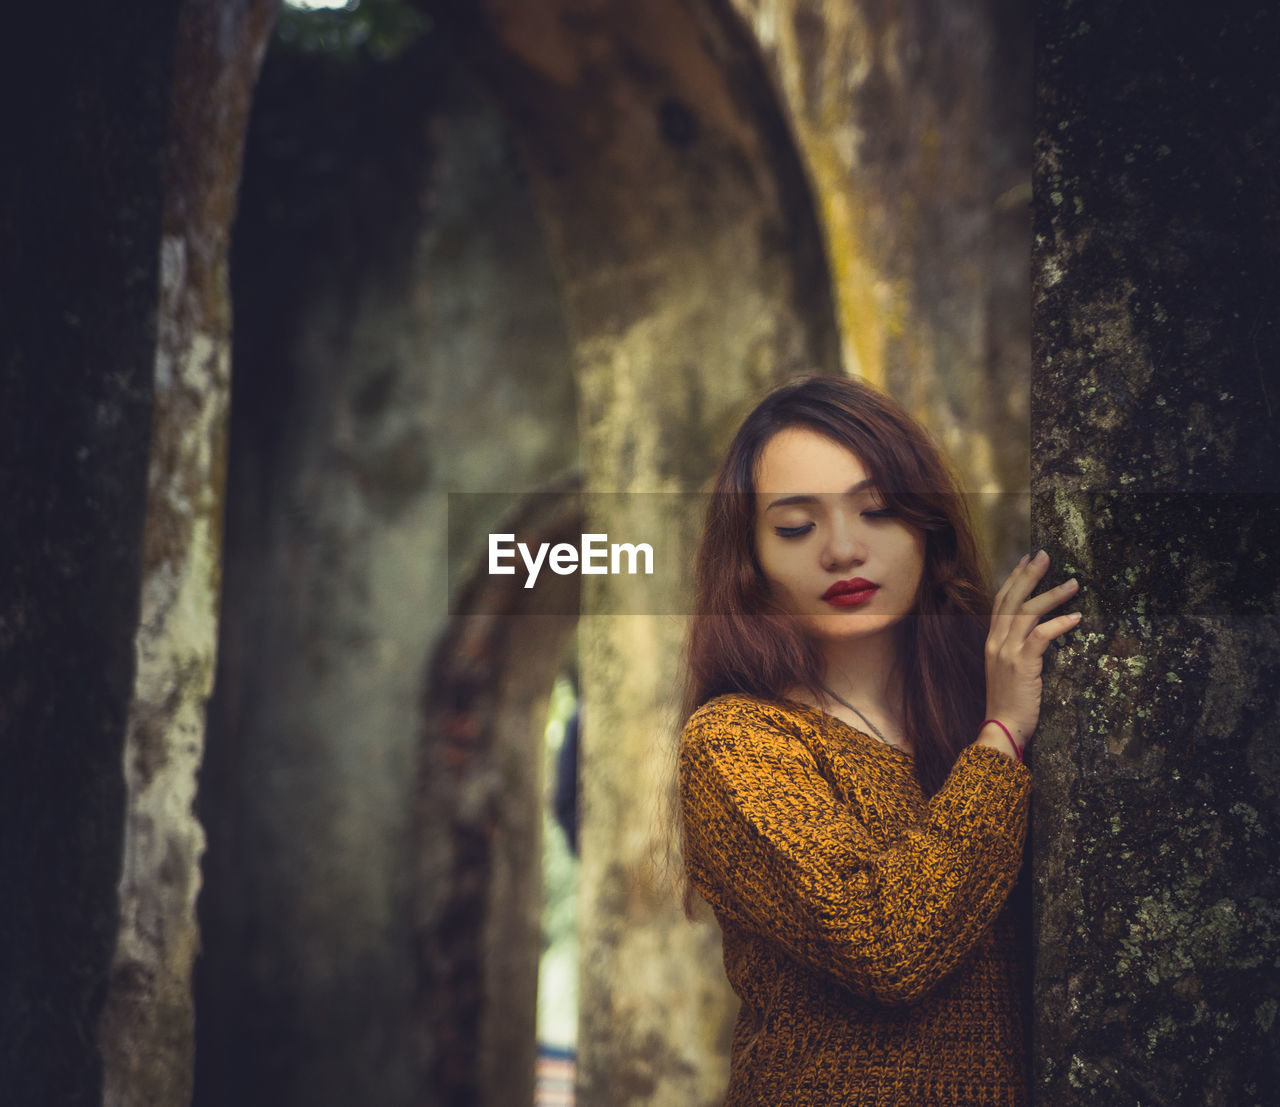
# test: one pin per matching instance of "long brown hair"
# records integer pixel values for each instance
(740, 640)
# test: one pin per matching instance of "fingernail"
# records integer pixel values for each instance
(1075, 616)
(1072, 583)
(1041, 555)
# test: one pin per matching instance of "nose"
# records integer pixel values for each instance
(844, 546)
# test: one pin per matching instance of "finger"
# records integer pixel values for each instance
(1038, 640)
(1033, 608)
(1022, 583)
(998, 603)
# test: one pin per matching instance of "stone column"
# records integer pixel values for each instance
(147, 1028)
(1156, 465)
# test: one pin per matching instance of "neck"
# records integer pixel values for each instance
(865, 672)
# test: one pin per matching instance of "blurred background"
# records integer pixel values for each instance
(300, 805)
(529, 248)
(340, 289)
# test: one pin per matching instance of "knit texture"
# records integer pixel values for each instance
(864, 925)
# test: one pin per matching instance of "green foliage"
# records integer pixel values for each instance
(364, 29)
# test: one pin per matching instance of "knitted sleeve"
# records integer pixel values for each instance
(772, 847)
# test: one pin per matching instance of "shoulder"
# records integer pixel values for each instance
(736, 748)
(738, 708)
(735, 718)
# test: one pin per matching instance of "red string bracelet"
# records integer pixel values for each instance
(1017, 749)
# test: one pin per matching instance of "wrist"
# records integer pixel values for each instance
(995, 735)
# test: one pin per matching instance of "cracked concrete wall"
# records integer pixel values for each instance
(1157, 373)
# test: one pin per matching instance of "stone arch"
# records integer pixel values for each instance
(480, 790)
(694, 276)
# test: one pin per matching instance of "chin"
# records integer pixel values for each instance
(844, 626)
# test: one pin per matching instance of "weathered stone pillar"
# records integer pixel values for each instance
(1156, 469)
(147, 1027)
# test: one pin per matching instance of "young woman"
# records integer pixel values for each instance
(852, 786)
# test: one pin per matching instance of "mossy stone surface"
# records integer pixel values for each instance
(1155, 472)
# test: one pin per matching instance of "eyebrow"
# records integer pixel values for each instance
(807, 498)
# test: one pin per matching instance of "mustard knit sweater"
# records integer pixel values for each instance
(863, 924)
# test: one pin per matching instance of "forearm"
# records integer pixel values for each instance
(782, 856)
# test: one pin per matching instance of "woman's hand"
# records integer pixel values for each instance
(1015, 650)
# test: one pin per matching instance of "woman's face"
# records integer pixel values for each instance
(834, 555)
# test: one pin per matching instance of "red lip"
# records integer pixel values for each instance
(850, 593)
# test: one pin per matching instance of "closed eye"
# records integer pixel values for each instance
(879, 513)
(793, 532)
